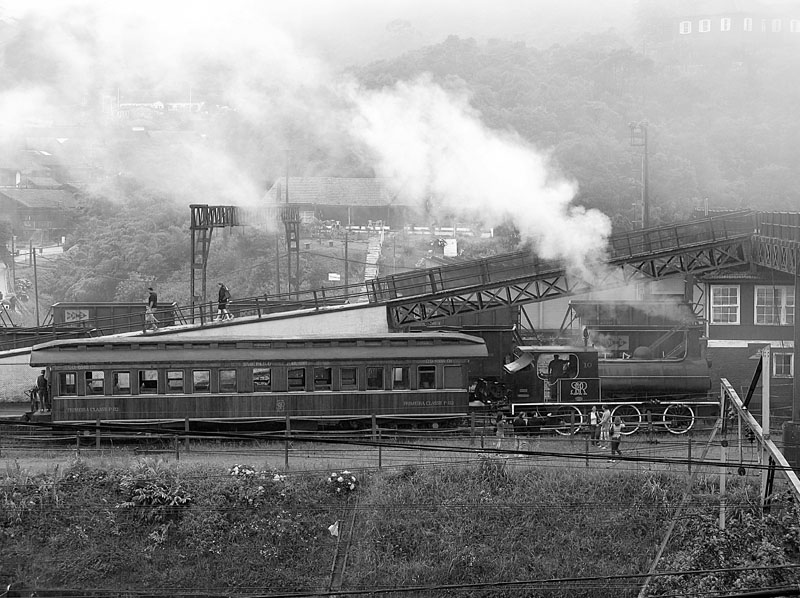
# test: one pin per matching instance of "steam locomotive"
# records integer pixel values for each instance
(558, 384)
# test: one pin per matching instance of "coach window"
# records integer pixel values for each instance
(296, 379)
(227, 381)
(349, 378)
(426, 376)
(122, 383)
(262, 379)
(175, 381)
(148, 382)
(95, 382)
(400, 378)
(374, 378)
(66, 384)
(200, 380)
(452, 376)
(323, 378)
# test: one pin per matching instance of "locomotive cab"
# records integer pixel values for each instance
(555, 374)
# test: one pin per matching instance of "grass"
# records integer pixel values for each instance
(125, 522)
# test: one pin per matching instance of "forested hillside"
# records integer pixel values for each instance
(722, 129)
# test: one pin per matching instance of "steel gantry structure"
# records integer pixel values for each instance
(514, 279)
(204, 220)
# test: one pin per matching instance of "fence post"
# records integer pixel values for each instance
(288, 436)
(97, 433)
(374, 426)
(77, 444)
(186, 429)
(689, 460)
(177, 450)
(472, 428)
(572, 431)
(380, 451)
(587, 451)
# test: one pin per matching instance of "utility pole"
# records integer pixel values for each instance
(35, 288)
(13, 262)
(346, 265)
(639, 139)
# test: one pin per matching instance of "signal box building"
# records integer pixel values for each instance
(746, 310)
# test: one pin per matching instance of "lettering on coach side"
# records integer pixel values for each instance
(91, 409)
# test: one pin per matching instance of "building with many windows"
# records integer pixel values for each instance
(722, 22)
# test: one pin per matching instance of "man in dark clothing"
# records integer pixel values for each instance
(222, 303)
(44, 391)
(152, 298)
(151, 322)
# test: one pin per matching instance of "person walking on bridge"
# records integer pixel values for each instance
(222, 303)
(150, 319)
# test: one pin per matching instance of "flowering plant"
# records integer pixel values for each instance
(342, 483)
(242, 470)
(248, 471)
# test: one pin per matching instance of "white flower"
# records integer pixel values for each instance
(340, 479)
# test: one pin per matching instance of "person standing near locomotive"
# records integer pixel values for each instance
(222, 303)
(616, 437)
(43, 390)
(605, 427)
(499, 429)
(594, 425)
(521, 431)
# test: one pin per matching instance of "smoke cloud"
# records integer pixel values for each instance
(428, 142)
(433, 146)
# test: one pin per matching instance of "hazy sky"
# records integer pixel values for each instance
(361, 30)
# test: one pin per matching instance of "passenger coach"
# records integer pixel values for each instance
(406, 378)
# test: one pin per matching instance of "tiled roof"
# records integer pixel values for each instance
(39, 198)
(334, 191)
(763, 275)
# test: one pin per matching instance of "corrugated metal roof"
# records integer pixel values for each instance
(335, 191)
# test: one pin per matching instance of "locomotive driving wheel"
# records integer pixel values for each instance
(631, 417)
(678, 418)
(566, 419)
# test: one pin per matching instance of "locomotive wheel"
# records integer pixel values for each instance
(678, 418)
(631, 417)
(567, 420)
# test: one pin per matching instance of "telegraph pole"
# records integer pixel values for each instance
(639, 139)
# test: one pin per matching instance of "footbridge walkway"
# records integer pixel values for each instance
(770, 239)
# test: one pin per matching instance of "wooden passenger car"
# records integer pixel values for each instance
(406, 377)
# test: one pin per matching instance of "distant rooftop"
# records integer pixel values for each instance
(334, 191)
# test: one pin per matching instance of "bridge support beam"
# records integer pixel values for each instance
(791, 429)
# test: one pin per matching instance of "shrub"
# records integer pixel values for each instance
(154, 493)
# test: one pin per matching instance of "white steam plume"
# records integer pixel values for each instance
(433, 146)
